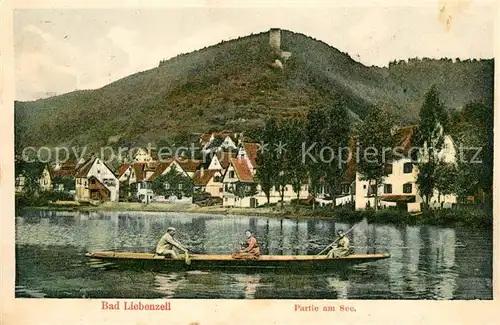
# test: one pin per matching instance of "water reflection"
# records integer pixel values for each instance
(427, 262)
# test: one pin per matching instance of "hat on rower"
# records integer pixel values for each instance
(170, 229)
(340, 232)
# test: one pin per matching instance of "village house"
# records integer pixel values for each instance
(145, 155)
(238, 185)
(44, 181)
(248, 151)
(209, 181)
(399, 188)
(220, 160)
(186, 167)
(134, 176)
(63, 177)
(94, 180)
(219, 141)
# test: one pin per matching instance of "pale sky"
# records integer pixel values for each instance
(58, 51)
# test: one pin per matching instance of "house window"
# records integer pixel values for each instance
(167, 186)
(225, 199)
(387, 188)
(346, 188)
(388, 169)
(98, 162)
(373, 189)
(407, 168)
(220, 189)
(231, 174)
(364, 187)
(286, 188)
(179, 186)
(98, 171)
(407, 188)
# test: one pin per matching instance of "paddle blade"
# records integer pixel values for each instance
(188, 260)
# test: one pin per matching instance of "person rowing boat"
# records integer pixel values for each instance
(167, 245)
(342, 247)
(252, 249)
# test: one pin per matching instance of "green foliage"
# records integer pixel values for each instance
(42, 198)
(173, 183)
(430, 137)
(266, 157)
(374, 138)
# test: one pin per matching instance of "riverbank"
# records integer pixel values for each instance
(468, 216)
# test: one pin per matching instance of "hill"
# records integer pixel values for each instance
(236, 84)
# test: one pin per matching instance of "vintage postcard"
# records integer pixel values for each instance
(215, 162)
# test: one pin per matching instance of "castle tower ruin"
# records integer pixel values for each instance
(275, 39)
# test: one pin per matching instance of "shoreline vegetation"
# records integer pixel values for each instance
(463, 216)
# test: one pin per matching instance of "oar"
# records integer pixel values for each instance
(327, 247)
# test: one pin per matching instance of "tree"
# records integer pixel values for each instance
(374, 141)
(296, 168)
(430, 137)
(173, 183)
(284, 162)
(32, 171)
(445, 177)
(315, 126)
(266, 157)
(336, 136)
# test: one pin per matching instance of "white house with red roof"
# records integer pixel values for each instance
(248, 152)
(239, 186)
(94, 180)
(209, 181)
(399, 188)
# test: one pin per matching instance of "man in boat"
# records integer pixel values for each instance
(340, 246)
(251, 251)
(167, 245)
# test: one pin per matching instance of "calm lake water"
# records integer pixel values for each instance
(427, 262)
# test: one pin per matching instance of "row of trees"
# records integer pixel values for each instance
(297, 152)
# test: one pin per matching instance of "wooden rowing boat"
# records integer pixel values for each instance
(209, 262)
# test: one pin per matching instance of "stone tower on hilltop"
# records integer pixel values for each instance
(275, 39)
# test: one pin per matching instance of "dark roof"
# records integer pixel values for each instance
(84, 168)
(225, 158)
(203, 177)
(398, 198)
(404, 137)
(189, 165)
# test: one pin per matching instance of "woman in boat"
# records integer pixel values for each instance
(167, 245)
(341, 248)
(251, 251)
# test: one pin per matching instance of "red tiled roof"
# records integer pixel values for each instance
(404, 137)
(242, 171)
(189, 165)
(251, 149)
(225, 157)
(122, 169)
(205, 177)
(160, 168)
(139, 171)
